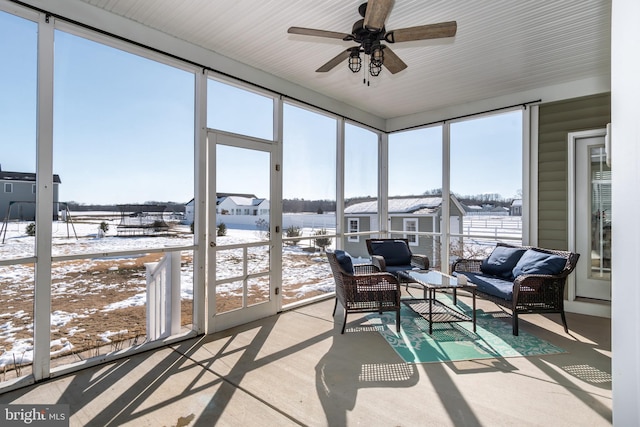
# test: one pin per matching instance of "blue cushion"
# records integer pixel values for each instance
(501, 261)
(395, 268)
(535, 262)
(394, 252)
(501, 288)
(344, 260)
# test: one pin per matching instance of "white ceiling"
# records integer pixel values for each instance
(501, 47)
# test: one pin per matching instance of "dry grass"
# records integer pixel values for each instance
(82, 289)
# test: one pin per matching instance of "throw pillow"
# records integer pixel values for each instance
(536, 262)
(502, 261)
(345, 261)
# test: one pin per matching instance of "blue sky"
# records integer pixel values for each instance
(123, 133)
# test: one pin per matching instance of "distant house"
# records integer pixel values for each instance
(232, 204)
(18, 195)
(409, 214)
(242, 205)
(487, 209)
(189, 212)
(473, 209)
(516, 208)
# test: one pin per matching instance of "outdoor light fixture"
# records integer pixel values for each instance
(376, 55)
(372, 54)
(375, 69)
(375, 61)
(355, 62)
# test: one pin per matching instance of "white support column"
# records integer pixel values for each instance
(210, 235)
(446, 197)
(276, 190)
(383, 183)
(44, 201)
(625, 167)
(200, 228)
(340, 183)
(530, 176)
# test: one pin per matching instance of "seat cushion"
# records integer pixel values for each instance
(535, 262)
(501, 288)
(394, 252)
(501, 261)
(344, 260)
(395, 268)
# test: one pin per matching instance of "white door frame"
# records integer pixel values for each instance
(218, 322)
(573, 305)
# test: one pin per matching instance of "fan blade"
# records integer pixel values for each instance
(392, 61)
(319, 33)
(335, 61)
(422, 32)
(377, 14)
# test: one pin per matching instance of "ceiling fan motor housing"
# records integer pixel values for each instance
(366, 38)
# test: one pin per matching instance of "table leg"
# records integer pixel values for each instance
(455, 296)
(474, 310)
(431, 296)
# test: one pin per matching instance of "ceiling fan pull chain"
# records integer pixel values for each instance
(364, 71)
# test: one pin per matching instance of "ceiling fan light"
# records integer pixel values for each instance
(355, 62)
(377, 56)
(374, 69)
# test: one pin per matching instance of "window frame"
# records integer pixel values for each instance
(409, 236)
(350, 230)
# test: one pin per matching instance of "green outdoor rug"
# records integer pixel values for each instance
(457, 341)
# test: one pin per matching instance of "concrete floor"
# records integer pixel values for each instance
(297, 369)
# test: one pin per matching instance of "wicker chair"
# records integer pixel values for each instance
(366, 290)
(394, 255)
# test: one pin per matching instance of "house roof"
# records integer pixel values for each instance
(221, 196)
(24, 176)
(414, 205)
(239, 201)
(246, 195)
(473, 208)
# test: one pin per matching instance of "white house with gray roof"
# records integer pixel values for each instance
(234, 208)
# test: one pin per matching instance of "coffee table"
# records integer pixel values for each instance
(429, 307)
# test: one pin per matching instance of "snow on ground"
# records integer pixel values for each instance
(304, 273)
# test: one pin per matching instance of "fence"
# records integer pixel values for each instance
(507, 227)
(163, 297)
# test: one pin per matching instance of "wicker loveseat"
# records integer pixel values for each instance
(521, 278)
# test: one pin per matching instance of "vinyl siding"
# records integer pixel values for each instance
(556, 121)
(358, 249)
(21, 192)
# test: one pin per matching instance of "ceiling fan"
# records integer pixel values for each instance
(369, 32)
